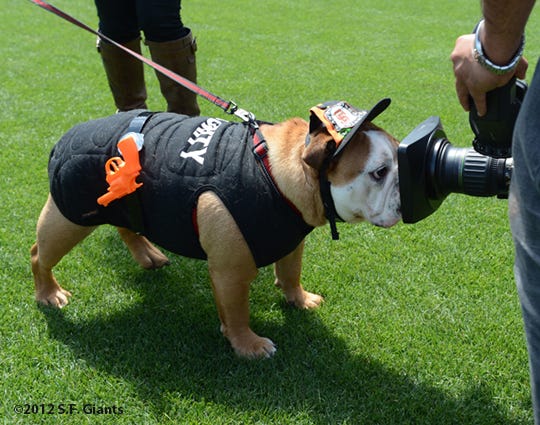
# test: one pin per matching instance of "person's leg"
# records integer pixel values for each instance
(171, 45)
(118, 19)
(160, 20)
(524, 211)
(125, 74)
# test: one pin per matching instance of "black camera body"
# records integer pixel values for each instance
(430, 168)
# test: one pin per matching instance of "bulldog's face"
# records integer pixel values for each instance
(364, 176)
(364, 180)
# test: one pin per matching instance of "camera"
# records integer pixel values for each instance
(430, 167)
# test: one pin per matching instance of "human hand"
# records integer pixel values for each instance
(472, 79)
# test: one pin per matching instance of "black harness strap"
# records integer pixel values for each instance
(137, 124)
(132, 200)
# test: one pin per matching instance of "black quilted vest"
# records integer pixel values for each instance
(182, 158)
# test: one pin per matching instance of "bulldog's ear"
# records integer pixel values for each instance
(320, 146)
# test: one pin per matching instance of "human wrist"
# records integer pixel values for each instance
(499, 55)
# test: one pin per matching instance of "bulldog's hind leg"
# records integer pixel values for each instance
(146, 254)
(56, 236)
(287, 271)
(232, 269)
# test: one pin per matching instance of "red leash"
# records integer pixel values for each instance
(228, 106)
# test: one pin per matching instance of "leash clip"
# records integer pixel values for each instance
(244, 115)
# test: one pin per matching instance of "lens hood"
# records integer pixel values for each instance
(414, 187)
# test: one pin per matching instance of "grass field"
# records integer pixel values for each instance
(421, 323)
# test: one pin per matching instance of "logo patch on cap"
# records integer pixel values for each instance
(342, 120)
(343, 117)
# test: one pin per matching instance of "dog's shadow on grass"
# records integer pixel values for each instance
(169, 347)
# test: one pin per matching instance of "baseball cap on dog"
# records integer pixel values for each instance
(343, 120)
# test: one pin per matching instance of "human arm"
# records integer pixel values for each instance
(500, 36)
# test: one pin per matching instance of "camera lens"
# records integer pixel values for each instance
(463, 170)
(430, 168)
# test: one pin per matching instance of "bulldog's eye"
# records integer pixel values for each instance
(379, 174)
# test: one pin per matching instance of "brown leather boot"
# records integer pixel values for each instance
(125, 74)
(179, 57)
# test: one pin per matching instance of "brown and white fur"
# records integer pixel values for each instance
(364, 186)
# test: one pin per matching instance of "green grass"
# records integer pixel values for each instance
(421, 324)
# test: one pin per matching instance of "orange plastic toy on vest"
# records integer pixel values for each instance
(122, 173)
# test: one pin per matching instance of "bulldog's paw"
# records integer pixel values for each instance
(55, 296)
(152, 258)
(307, 300)
(142, 250)
(257, 348)
(251, 346)
(300, 298)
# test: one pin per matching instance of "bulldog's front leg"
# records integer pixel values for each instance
(287, 271)
(232, 269)
(231, 293)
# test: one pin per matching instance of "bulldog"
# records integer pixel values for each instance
(240, 195)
